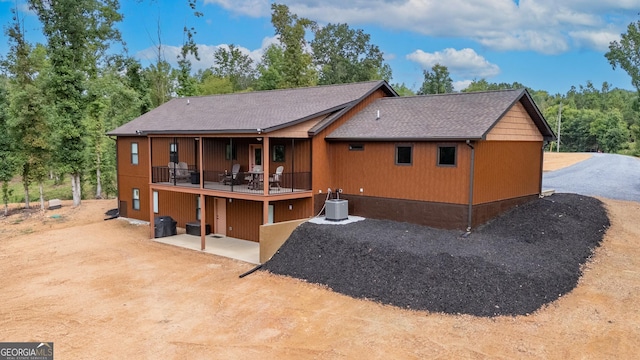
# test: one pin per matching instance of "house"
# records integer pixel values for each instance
(235, 162)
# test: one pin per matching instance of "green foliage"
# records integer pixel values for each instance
(436, 81)
(210, 84)
(235, 66)
(298, 68)
(403, 90)
(484, 85)
(345, 55)
(271, 69)
(626, 53)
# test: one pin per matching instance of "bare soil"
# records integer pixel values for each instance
(554, 161)
(102, 289)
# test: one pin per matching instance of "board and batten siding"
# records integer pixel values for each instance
(515, 125)
(132, 176)
(375, 172)
(180, 206)
(244, 218)
(160, 146)
(507, 169)
(320, 149)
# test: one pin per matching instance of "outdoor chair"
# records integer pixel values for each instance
(179, 171)
(275, 179)
(233, 177)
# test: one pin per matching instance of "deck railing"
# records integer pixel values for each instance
(244, 182)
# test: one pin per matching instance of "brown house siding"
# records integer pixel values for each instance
(300, 209)
(244, 219)
(186, 150)
(506, 170)
(374, 171)
(180, 206)
(321, 150)
(133, 176)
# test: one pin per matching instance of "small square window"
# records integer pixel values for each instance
(446, 155)
(278, 153)
(136, 199)
(403, 154)
(198, 208)
(134, 153)
(356, 147)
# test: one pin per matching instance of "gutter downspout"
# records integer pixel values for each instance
(471, 181)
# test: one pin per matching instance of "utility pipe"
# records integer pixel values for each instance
(471, 180)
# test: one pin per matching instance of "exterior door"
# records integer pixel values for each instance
(220, 213)
(255, 155)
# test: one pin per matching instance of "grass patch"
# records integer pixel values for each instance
(51, 190)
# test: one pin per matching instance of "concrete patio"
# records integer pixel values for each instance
(243, 250)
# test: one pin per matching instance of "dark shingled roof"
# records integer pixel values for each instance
(246, 112)
(457, 116)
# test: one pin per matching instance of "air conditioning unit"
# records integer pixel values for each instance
(337, 209)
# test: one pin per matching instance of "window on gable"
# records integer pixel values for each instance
(447, 155)
(404, 154)
(136, 199)
(134, 153)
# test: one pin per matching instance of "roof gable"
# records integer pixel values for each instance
(456, 116)
(248, 112)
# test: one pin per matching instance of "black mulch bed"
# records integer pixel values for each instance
(513, 265)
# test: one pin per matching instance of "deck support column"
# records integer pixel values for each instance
(203, 222)
(266, 157)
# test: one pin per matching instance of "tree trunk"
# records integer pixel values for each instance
(26, 197)
(6, 209)
(76, 189)
(98, 175)
(41, 196)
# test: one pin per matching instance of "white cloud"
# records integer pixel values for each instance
(205, 52)
(598, 40)
(462, 63)
(546, 26)
(252, 8)
(461, 85)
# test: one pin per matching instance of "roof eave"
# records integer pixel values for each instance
(404, 139)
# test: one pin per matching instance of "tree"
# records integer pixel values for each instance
(271, 69)
(484, 85)
(403, 90)
(626, 53)
(235, 66)
(610, 131)
(436, 81)
(28, 123)
(345, 55)
(211, 84)
(78, 33)
(8, 159)
(298, 69)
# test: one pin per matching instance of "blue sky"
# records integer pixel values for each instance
(544, 44)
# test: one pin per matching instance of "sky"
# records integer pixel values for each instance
(544, 44)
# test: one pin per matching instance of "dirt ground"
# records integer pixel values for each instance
(554, 161)
(102, 289)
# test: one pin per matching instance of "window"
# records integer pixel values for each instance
(173, 152)
(356, 147)
(136, 199)
(231, 152)
(278, 153)
(446, 155)
(134, 153)
(197, 207)
(403, 154)
(155, 202)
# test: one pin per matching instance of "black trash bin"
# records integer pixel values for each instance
(164, 226)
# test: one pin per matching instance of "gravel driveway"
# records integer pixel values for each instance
(606, 175)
